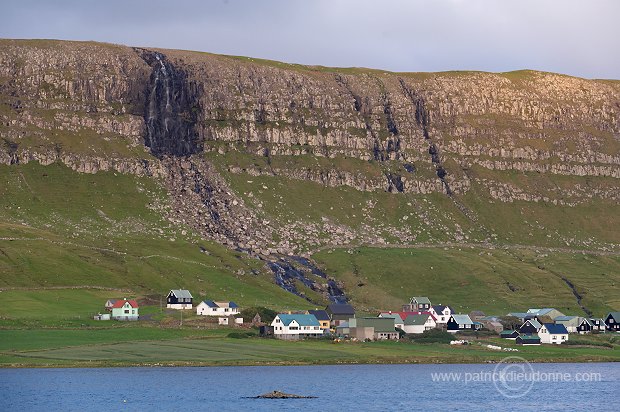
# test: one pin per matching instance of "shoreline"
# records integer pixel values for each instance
(447, 360)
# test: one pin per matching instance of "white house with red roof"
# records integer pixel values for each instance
(125, 310)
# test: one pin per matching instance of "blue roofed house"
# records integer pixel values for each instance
(211, 308)
(552, 333)
(322, 316)
(296, 326)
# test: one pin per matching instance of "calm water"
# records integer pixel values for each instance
(355, 387)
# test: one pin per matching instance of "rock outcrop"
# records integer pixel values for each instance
(162, 113)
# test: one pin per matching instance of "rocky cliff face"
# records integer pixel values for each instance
(165, 113)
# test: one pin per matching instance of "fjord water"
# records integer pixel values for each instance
(341, 387)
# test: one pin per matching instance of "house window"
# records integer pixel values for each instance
(127, 311)
(225, 309)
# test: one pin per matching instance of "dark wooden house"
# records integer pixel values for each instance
(530, 327)
(612, 321)
(339, 312)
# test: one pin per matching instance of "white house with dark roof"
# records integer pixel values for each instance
(441, 313)
(179, 299)
(211, 308)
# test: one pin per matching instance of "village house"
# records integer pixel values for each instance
(322, 316)
(417, 304)
(492, 323)
(522, 316)
(179, 299)
(398, 320)
(343, 330)
(612, 321)
(458, 323)
(339, 312)
(548, 312)
(296, 326)
(598, 324)
(419, 323)
(109, 303)
(476, 315)
(527, 339)
(125, 310)
(530, 327)
(552, 333)
(211, 308)
(585, 326)
(569, 322)
(509, 334)
(372, 328)
(441, 313)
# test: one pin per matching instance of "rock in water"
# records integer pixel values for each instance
(280, 395)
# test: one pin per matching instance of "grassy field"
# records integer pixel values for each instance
(148, 346)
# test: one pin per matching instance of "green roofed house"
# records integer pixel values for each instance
(418, 304)
(296, 326)
(527, 340)
(372, 328)
(509, 334)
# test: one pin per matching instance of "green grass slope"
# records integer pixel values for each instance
(60, 228)
(496, 281)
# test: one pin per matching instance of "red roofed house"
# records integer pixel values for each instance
(125, 310)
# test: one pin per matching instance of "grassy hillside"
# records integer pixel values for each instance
(496, 281)
(59, 228)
